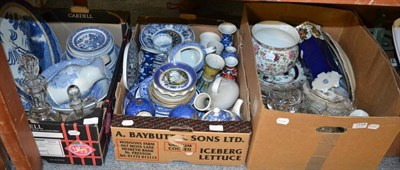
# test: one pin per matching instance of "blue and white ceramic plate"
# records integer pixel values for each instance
(90, 39)
(130, 67)
(179, 33)
(175, 77)
(99, 89)
(22, 32)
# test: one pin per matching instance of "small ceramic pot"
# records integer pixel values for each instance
(230, 70)
(140, 107)
(275, 47)
(184, 111)
(229, 51)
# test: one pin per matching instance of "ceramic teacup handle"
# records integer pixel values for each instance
(215, 86)
(210, 50)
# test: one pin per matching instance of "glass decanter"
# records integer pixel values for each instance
(78, 104)
(36, 86)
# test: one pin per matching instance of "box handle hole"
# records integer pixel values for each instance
(331, 129)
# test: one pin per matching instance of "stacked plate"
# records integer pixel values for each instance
(92, 42)
(173, 84)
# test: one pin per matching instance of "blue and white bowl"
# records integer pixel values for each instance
(191, 53)
(175, 77)
(92, 42)
(184, 111)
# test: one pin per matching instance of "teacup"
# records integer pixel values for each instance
(219, 47)
(214, 64)
(206, 37)
(275, 47)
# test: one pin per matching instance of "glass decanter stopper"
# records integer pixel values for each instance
(78, 104)
(35, 85)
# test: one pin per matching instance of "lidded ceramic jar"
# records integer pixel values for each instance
(275, 45)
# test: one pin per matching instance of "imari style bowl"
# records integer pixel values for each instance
(275, 47)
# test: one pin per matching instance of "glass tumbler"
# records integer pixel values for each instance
(287, 101)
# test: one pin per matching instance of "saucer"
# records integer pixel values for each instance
(179, 33)
(294, 78)
(26, 34)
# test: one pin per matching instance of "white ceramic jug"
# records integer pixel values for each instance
(82, 76)
(223, 92)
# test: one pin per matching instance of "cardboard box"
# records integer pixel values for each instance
(85, 141)
(154, 139)
(296, 144)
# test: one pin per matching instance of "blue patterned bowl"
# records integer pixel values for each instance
(175, 77)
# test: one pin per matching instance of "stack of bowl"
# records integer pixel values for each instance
(173, 84)
(92, 42)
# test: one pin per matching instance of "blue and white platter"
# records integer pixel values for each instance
(130, 67)
(98, 91)
(23, 32)
(179, 33)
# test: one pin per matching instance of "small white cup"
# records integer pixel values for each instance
(202, 102)
(206, 37)
(219, 47)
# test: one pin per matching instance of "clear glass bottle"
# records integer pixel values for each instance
(78, 104)
(36, 86)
